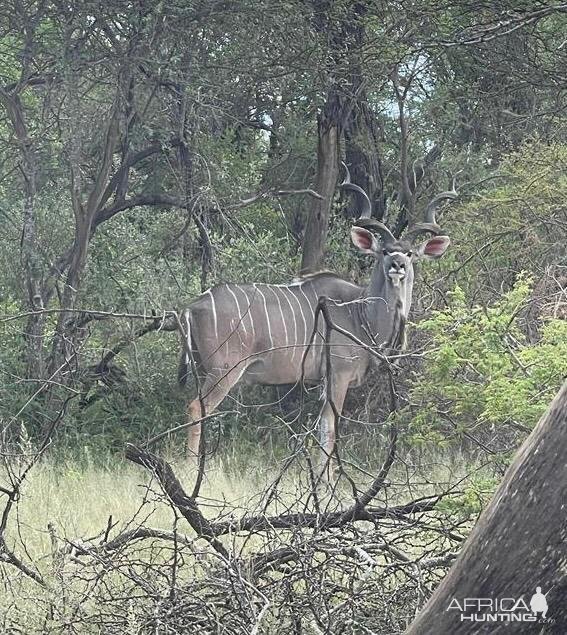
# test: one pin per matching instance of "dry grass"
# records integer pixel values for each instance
(78, 498)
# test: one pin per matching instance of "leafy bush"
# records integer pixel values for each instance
(481, 372)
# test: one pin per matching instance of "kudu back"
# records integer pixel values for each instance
(259, 333)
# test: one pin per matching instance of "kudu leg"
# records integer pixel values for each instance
(194, 413)
(328, 424)
(214, 389)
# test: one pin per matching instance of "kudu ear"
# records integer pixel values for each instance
(433, 247)
(364, 240)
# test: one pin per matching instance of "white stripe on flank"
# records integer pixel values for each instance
(309, 305)
(214, 313)
(305, 296)
(286, 293)
(248, 311)
(303, 317)
(188, 336)
(240, 318)
(282, 314)
(316, 298)
(267, 316)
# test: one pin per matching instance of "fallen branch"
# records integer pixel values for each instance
(174, 490)
(210, 530)
(9, 557)
(88, 548)
(323, 521)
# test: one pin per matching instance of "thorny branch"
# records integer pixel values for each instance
(173, 488)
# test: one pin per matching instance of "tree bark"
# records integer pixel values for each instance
(29, 250)
(362, 130)
(518, 543)
(344, 35)
(64, 344)
(329, 126)
(363, 157)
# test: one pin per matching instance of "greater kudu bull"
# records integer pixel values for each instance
(260, 332)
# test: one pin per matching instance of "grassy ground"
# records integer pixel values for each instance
(77, 498)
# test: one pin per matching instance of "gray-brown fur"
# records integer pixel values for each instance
(259, 333)
(266, 333)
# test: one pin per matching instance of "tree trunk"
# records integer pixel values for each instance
(345, 111)
(517, 545)
(30, 257)
(362, 130)
(66, 340)
(363, 158)
(65, 343)
(329, 126)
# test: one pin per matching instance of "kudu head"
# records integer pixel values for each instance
(395, 257)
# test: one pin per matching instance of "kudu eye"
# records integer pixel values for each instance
(385, 252)
(409, 254)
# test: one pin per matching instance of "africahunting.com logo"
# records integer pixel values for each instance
(502, 609)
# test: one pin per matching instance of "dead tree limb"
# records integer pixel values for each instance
(9, 557)
(211, 530)
(174, 490)
(519, 541)
(323, 521)
(89, 548)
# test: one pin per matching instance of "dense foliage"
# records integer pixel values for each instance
(131, 140)
(496, 349)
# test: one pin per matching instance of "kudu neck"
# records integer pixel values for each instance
(385, 301)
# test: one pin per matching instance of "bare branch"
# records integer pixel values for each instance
(173, 488)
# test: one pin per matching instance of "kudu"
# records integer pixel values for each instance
(260, 333)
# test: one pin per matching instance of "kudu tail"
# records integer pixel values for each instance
(185, 359)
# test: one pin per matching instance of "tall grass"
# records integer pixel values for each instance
(77, 499)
